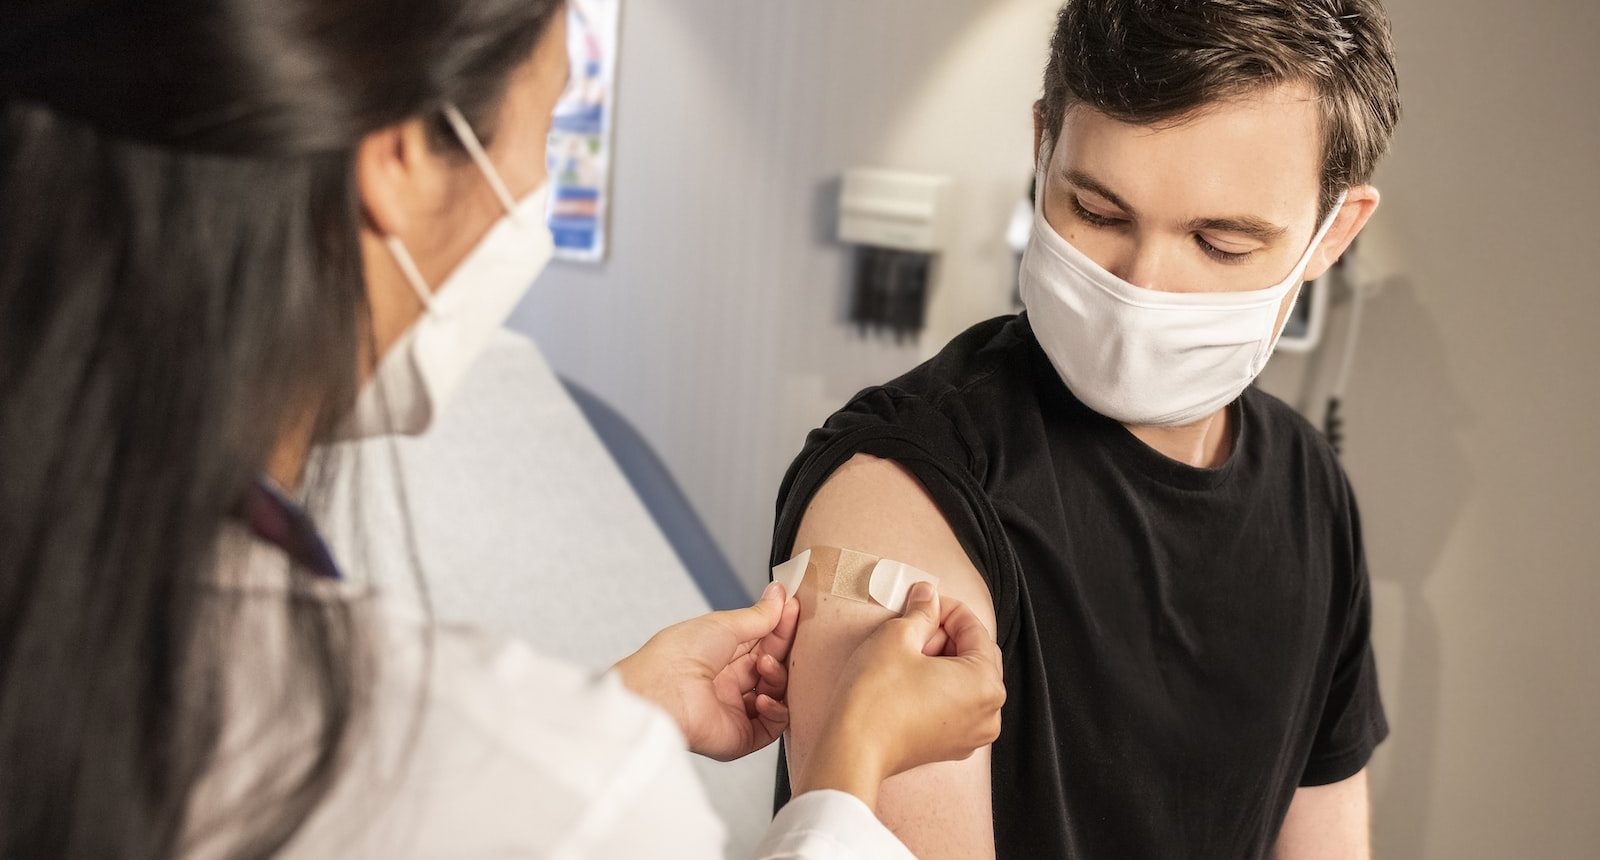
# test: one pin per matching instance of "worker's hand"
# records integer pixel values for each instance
(722, 675)
(924, 687)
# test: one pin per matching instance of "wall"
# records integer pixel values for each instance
(1473, 413)
(1473, 420)
(715, 327)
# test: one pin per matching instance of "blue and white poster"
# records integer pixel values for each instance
(579, 153)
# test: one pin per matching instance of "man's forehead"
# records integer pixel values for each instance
(1258, 154)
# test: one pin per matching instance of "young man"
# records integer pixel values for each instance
(1170, 558)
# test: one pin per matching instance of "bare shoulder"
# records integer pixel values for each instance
(878, 507)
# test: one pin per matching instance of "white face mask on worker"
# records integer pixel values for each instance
(415, 378)
(1141, 356)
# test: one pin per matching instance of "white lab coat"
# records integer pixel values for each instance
(478, 747)
(524, 525)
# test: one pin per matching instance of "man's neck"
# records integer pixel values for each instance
(1205, 444)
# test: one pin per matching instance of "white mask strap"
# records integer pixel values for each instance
(469, 140)
(408, 269)
(479, 157)
(1322, 233)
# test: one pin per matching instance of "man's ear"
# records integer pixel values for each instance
(1359, 204)
(1038, 129)
(395, 176)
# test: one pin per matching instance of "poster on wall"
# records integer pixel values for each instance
(579, 151)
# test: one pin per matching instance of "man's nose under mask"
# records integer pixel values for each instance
(1141, 356)
(416, 376)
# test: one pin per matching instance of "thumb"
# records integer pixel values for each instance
(756, 621)
(922, 611)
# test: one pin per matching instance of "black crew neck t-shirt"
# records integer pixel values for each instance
(1183, 647)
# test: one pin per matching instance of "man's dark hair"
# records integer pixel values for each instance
(1150, 62)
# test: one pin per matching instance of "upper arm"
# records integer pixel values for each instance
(1327, 822)
(877, 507)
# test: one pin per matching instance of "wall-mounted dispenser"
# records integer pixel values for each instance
(900, 223)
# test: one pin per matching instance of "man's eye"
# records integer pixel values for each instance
(1092, 218)
(1220, 255)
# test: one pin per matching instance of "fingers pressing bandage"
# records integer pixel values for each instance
(853, 575)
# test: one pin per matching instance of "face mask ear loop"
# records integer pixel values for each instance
(408, 269)
(474, 148)
(1299, 270)
(1041, 175)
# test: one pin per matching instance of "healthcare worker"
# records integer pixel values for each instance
(231, 231)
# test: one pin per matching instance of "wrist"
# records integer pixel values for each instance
(625, 675)
(646, 678)
(635, 679)
(845, 759)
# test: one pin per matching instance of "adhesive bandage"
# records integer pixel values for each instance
(853, 575)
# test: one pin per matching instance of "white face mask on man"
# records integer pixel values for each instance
(415, 377)
(1141, 356)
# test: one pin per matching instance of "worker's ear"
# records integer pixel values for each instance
(398, 177)
(403, 186)
(1359, 204)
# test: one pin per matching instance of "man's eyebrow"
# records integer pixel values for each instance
(1089, 183)
(1244, 225)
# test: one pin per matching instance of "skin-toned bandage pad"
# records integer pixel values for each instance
(853, 575)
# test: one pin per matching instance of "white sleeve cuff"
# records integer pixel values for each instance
(832, 824)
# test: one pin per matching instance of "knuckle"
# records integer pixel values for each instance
(893, 626)
(905, 630)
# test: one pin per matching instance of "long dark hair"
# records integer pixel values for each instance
(181, 285)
